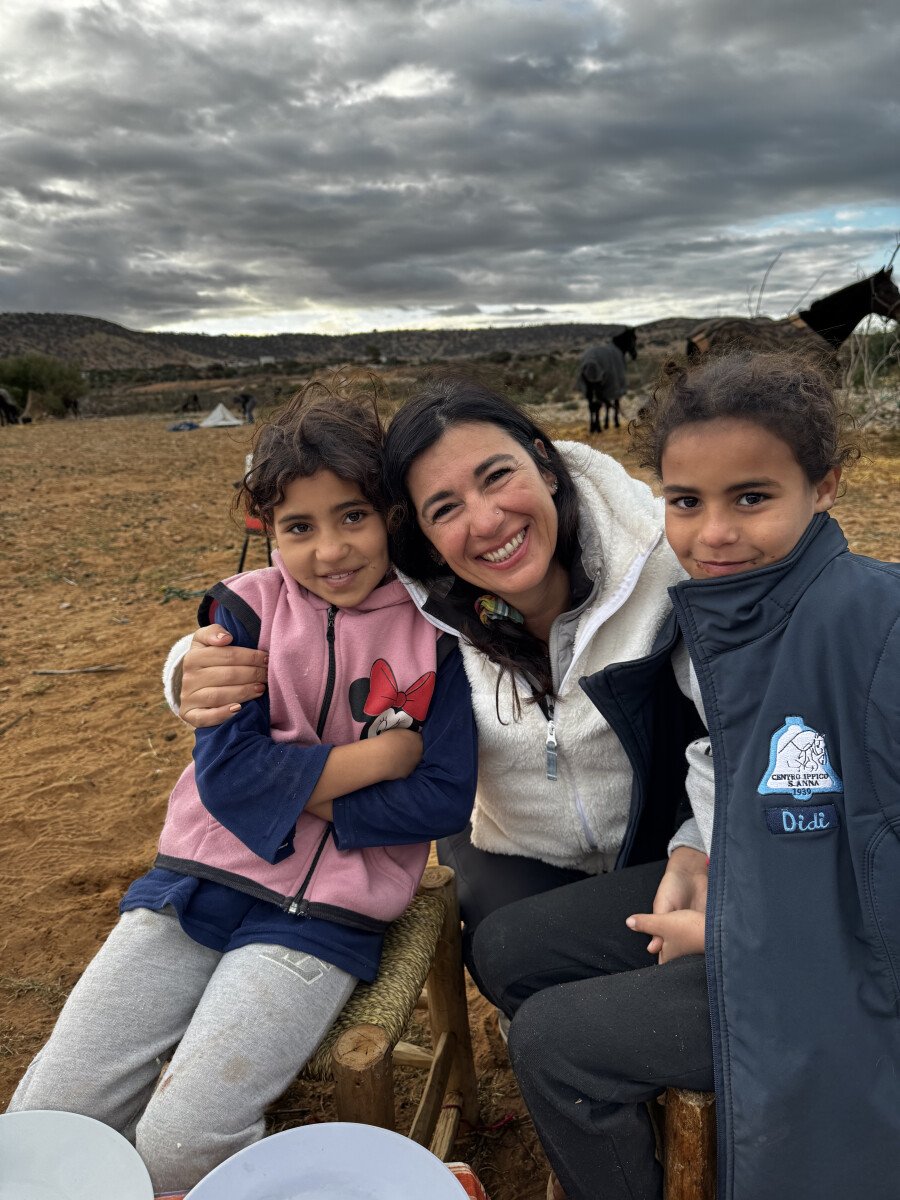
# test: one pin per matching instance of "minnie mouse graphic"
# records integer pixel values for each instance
(379, 704)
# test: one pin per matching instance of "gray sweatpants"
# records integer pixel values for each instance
(244, 1023)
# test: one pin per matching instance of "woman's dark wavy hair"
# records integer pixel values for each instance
(787, 393)
(445, 401)
(332, 425)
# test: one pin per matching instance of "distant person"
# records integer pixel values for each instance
(298, 833)
(246, 401)
(192, 404)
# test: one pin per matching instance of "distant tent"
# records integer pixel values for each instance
(220, 415)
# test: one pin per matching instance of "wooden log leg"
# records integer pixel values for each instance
(364, 1076)
(447, 1006)
(690, 1145)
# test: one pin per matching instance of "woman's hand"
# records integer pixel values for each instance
(216, 677)
(674, 934)
(684, 883)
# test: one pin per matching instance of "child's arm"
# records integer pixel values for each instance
(436, 800)
(679, 906)
(257, 788)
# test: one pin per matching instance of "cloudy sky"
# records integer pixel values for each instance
(330, 165)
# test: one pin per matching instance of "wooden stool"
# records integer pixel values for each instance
(689, 1145)
(359, 1052)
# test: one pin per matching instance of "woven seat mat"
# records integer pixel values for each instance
(389, 1001)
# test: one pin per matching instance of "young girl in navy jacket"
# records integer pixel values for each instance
(782, 989)
(298, 832)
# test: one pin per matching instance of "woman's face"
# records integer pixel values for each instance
(488, 510)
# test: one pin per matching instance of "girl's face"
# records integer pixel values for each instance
(736, 497)
(488, 511)
(331, 539)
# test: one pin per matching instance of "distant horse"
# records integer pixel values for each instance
(830, 320)
(9, 410)
(601, 375)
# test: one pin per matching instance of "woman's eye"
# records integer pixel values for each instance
(751, 498)
(497, 475)
(439, 513)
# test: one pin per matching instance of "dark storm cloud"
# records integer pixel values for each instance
(166, 163)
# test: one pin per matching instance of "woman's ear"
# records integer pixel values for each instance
(826, 490)
(541, 449)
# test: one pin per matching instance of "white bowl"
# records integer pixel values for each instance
(335, 1160)
(64, 1156)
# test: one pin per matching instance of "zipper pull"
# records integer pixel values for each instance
(551, 743)
(332, 613)
(298, 908)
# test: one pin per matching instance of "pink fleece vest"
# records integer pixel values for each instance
(379, 675)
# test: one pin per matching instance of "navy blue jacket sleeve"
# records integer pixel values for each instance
(436, 799)
(254, 786)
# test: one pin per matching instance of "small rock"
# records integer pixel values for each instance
(65, 605)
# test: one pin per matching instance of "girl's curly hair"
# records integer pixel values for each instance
(791, 395)
(333, 426)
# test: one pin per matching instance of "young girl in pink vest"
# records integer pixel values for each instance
(297, 834)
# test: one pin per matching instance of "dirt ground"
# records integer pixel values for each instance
(109, 530)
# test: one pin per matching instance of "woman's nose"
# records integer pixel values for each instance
(485, 517)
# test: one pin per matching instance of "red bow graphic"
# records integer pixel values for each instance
(384, 693)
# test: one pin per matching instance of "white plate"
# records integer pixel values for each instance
(64, 1156)
(336, 1160)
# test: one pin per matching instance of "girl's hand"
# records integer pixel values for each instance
(216, 677)
(684, 883)
(674, 934)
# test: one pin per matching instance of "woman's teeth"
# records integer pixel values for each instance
(501, 555)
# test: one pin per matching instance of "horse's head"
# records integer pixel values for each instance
(885, 296)
(627, 342)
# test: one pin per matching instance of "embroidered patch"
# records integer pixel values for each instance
(798, 763)
(811, 818)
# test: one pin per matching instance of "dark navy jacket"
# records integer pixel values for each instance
(798, 668)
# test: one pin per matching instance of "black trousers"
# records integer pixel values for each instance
(598, 1028)
(486, 882)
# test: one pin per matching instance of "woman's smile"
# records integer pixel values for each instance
(487, 508)
(505, 555)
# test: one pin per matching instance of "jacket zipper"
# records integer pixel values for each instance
(551, 740)
(298, 906)
(332, 671)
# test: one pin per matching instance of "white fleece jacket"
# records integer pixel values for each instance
(579, 818)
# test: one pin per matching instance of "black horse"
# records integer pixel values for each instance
(9, 410)
(601, 376)
(830, 320)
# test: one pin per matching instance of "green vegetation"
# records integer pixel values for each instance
(58, 384)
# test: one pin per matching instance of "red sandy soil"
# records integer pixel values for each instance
(108, 527)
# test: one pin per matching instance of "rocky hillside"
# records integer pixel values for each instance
(97, 345)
